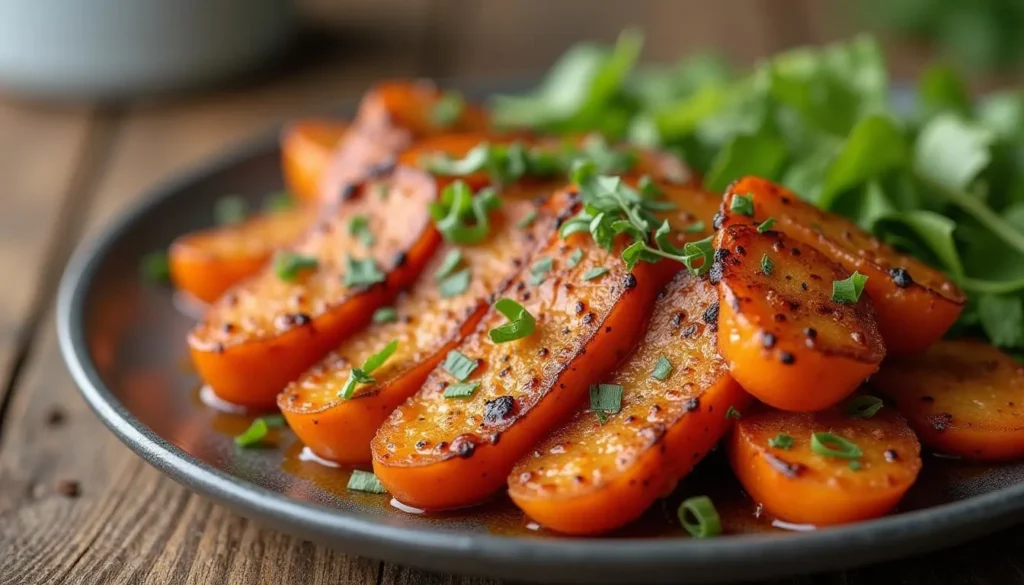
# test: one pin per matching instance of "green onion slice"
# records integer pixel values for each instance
(288, 265)
(699, 517)
(863, 406)
(832, 445)
(459, 365)
(521, 323)
(662, 369)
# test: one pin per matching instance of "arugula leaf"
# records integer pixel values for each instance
(952, 152)
(1002, 318)
(935, 231)
(759, 154)
(875, 146)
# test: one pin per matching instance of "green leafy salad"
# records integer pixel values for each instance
(934, 172)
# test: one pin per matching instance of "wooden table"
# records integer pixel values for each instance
(78, 507)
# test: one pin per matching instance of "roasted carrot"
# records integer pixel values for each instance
(825, 467)
(435, 452)
(787, 340)
(914, 303)
(962, 397)
(208, 262)
(306, 150)
(267, 330)
(590, 476)
(428, 322)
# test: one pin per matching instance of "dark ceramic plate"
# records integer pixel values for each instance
(124, 344)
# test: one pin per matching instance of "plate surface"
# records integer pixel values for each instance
(124, 343)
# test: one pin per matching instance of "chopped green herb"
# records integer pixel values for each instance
(767, 265)
(447, 110)
(462, 217)
(848, 291)
(527, 219)
(662, 369)
(362, 375)
(258, 430)
(361, 272)
(602, 418)
(155, 267)
(605, 399)
(742, 204)
(733, 413)
(575, 257)
(699, 517)
(766, 225)
(289, 265)
(278, 202)
(595, 272)
(862, 406)
(230, 210)
(385, 315)
(459, 366)
(694, 228)
(698, 256)
(648, 187)
(456, 284)
(364, 481)
(541, 267)
(465, 390)
(781, 441)
(359, 226)
(521, 323)
(382, 190)
(451, 262)
(832, 445)
(855, 465)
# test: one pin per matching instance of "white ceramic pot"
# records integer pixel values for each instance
(110, 49)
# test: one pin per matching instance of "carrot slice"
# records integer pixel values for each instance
(266, 331)
(797, 484)
(306, 147)
(208, 262)
(786, 341)
(589, 477)
(435, 452)
(962, 397)
(914, 303)
(428, 323)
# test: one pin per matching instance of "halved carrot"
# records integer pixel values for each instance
(306, 149)
(266, 331)
(207, 262)
(962, 397)
(786, 341)
(589, 476)
(435, 452)
(428, 322)
(914, 303)
(774, 457)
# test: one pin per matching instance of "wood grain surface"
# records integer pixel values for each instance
(78, 507)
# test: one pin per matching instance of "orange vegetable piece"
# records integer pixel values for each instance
(588, 477)
(427, 326)
(786, 341)
(798, 485)
(962, 397)
(207, 262)
(435, 452)
(914, 303)
(264, 332)
(306, 149)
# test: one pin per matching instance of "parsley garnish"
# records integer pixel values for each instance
(540, 269)
(767, 265)
(462, 217)
(733, 413)
(361, 272)
(364, 481)
(464, 390)
(288, 265)
(359, 226)
(662, 369)
(766, 225)
(521, 323)
(456, 284)
(742, 204)
(781, 441)
(695, 227)
(385, 315)
(459, 366)
(447, 110)
(595, 272)
(258, 430)
(362, 375)
(848, 291)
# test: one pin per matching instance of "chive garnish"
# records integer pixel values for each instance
(359, 226)
(278, 202)
(362, 375)
(767, 265)
(662, 369)
(605, 399)
(733, 413)
(521, 323)
(781, 441)
(832, 445)
(848, 291)
(385, 315)
(863, 406)
(450, 263)
(447, 110)
(288, 265)
(766, 225)
(699, 517)
(595, 272)
(258, 430)
(364, 481)
(575, 257)
(230, 210)
(456, 284)
(464, 390)
(459, 366)
(527, 220)
(361, 272)
(155, 267)
(742, 204)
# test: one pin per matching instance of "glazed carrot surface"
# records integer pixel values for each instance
(774, 456)
(435, 452)
(914, 303)
(208, 262)
(264, 332)
(785, 339)
(306, 150)
(590, 476)
(428, 321)
(962, 397)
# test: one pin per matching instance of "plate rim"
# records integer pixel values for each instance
(568, 558)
